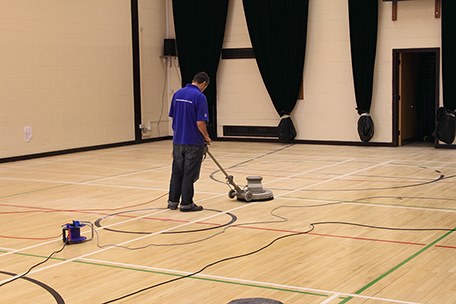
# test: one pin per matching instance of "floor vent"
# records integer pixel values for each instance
(241, 53)
(250, 131)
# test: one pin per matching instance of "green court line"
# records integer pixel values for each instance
(345, 299)
(39, 256)
(398, 266)
(178, 275)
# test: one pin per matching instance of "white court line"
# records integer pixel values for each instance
(6, 249)
(334, 178)
(311, 170)
(145, 236)
(142, 188)
(121, 244)
(83, 182)
(93, 183)
(243, 281)
(340, 202)
(90, 184)
(199, 220)
(86, 183)
(126, 174)
(276, 180)
(36, 180)
(333, 297)
(100, 228)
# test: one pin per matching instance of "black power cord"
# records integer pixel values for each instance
(34, 266)
(207, 266)
(282, 219)
(61, 249)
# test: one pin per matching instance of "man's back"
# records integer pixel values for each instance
(188, 106)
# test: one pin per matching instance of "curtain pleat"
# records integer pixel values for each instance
(363, 19)
(278, 32)
(448, 53)
(200, 28)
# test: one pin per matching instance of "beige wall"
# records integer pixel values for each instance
(327, 111)
(66, 72)
(159, 75)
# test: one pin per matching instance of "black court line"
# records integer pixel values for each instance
(58, 298)
(98, 223)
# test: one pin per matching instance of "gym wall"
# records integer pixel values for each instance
(159, 73)
(66, 72)
(327, 110)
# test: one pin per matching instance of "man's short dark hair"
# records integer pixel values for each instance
(201, 77)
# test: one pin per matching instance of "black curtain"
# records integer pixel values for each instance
(445, 116)
(200, 27)
(448, 53)
(363, 17)
(278, 31)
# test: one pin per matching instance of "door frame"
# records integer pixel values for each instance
(396, 79)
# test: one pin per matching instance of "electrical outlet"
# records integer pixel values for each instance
(145, 128)
(28, 133)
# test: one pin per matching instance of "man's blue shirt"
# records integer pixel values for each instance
(188, 106)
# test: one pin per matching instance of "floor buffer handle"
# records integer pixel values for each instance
(229, 178)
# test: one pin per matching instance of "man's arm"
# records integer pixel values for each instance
(203, 129)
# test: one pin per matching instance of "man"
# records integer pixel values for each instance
(189, 114)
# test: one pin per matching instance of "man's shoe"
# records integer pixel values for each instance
(172, 205)
(190, 208)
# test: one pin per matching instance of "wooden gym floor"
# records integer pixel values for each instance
(347, 225)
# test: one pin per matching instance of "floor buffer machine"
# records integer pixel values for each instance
(253, 191)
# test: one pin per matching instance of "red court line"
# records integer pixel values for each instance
(446, 246)
(28, 238)
(339, 236)
(235, 226)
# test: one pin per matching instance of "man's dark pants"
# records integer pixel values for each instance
(187, 161)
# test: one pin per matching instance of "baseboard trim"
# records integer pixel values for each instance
(80, 149)
(231, 139)
(309, 142)
(445, 146)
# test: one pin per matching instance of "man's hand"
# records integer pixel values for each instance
(203, 129)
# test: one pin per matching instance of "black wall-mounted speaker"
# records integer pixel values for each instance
(169, 47)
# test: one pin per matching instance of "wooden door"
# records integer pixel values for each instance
(408, 97)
